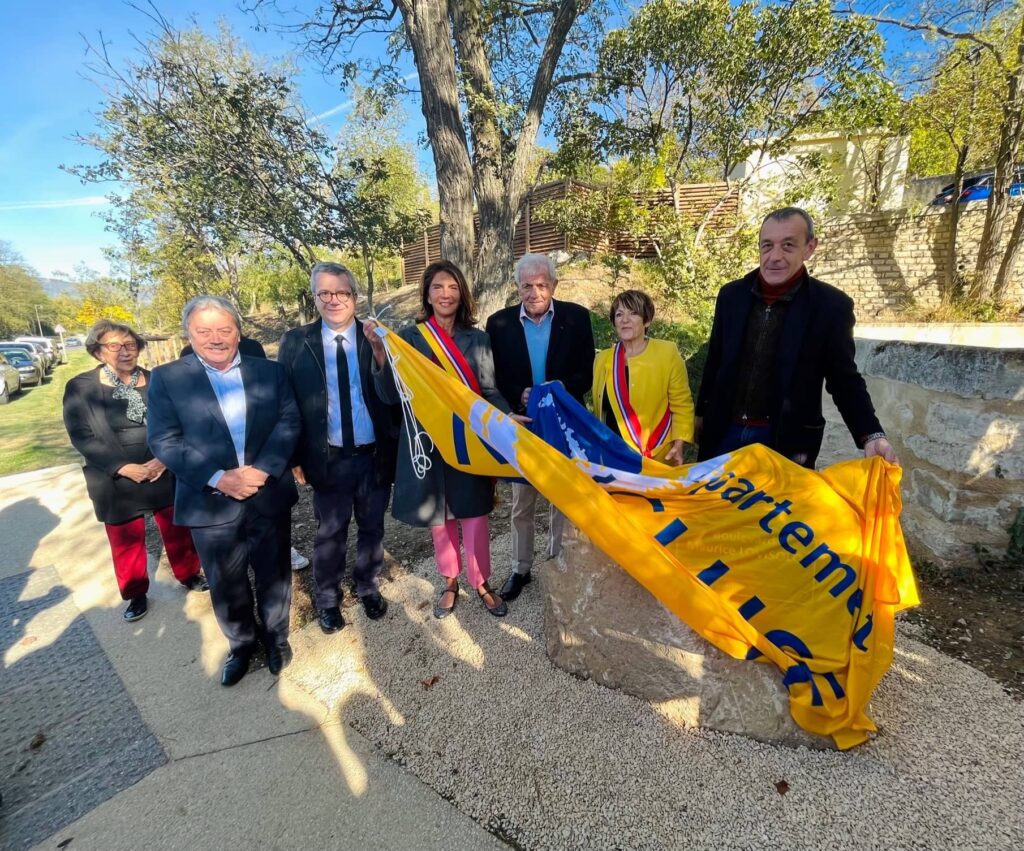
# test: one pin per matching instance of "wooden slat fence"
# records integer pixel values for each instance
(533, 235)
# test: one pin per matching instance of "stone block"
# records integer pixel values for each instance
(601, 624)
(983, 373)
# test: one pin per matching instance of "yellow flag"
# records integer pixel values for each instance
(765, 559)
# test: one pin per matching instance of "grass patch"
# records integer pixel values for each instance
(32, 434)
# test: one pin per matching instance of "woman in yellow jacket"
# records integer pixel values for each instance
(640, 387)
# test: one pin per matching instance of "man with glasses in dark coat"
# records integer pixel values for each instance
(348, 443)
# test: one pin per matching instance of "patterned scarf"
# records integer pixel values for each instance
(136, 407)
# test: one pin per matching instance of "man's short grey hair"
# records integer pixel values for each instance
(339, 269)
(535, 261)
(203, 302)
(784, 213)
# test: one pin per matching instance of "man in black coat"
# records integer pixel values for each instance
(778, 336)
(226, 426)
(348, 443)
(538, 340)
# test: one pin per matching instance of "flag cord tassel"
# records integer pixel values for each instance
(421, 462)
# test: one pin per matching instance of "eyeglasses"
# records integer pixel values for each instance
(326, 296)
(116, 347)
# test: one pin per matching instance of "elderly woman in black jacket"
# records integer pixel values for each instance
(105, 415)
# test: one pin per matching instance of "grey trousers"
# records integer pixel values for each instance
(524, 501)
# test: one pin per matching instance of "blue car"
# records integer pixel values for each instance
(981, 190)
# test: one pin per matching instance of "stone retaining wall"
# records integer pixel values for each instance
(956, 417)
(888, 261)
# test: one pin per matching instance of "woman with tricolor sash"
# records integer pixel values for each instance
(640, 388)
(441, 496)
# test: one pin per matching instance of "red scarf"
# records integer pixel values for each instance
(447, 354)
(771, 293)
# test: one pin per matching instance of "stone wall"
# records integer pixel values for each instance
(889, 261)
(956, 417)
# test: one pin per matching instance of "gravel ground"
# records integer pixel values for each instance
(472, 706)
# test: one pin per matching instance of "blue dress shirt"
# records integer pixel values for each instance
(230, 393)
(538, 336)
(362, 425)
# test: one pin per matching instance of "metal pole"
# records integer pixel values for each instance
(39, 324)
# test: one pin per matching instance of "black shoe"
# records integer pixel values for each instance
(499, 609)
(331, 620)
(236, 667)
(196, 583)
(514, 585)
(374, 605)
(441, 612)
(137, 608)
(278, 658)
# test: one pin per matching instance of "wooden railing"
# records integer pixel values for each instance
(695, 201)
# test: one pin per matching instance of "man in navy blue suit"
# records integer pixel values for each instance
(226, 426)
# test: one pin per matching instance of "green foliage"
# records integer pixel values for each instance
(960, 114)
(20, 295)
(700, 85)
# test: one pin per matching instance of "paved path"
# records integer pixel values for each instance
(120, 736)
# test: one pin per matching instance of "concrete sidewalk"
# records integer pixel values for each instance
(145, 748)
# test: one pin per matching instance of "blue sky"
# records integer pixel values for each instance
(46, 214)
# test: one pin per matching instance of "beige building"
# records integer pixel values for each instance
(869, 168)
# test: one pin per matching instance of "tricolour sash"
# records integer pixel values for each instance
(625, 416)
(447, 354)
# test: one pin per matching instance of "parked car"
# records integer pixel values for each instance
(947, 193)
(74, 342)
(37, 354)
(10, 381)
(979, 188)
(46, 343)
(31, 372)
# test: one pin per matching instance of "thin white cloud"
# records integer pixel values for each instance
(348, 104)
(88, 201)
(334, 110)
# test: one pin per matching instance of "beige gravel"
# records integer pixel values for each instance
(472, 706)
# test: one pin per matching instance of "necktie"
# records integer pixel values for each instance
(348, 439)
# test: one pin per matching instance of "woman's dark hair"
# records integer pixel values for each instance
(634, 301)
(104, 327)
(466, 314)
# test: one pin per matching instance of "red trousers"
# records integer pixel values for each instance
(128, 547)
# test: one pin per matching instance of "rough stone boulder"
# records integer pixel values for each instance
(602, 624)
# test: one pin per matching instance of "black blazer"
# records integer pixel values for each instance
(187, 431)
(302, 355)
(570, 352)
(116, 499)
(816, 348)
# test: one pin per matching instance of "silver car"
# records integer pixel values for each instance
(31, 372)
(10, 381)
(35, 353)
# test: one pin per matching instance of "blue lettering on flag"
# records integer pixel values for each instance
(751, 608)
(837, 689)
(459, 437)
(667, 535)
(656, 504)
(710, 575)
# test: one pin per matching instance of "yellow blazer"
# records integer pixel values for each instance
(656, 376)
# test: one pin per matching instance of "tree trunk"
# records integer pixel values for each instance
(952, 283)
(499, 166)
(430, 35)
(368, 265)
(999, 201)
(1009, 262)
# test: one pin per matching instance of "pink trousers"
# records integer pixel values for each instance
(476, 540)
